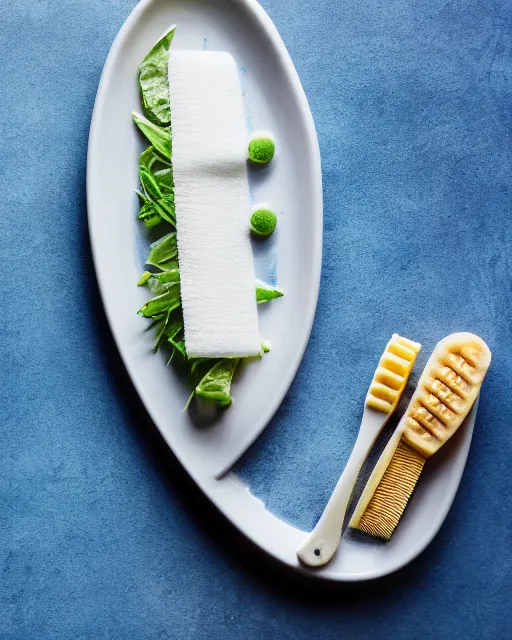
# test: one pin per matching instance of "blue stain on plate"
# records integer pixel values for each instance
(272, 268)
(265, 259)
(142, 248)
(247, 100)
(204, 46)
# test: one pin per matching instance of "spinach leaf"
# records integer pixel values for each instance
(158, 137)
(154, 82)
(174, 328)
(179, 345)
(160, 327)
(175, 336)
(144, 278)
(153, 213)
(156, 201)
(152, 221)
(149, 157)
(149, 184)
(161, 282)
(164, 303)
(149, 216)
(216, 384)
(164, 180)
(266, 292)
(164, 252)
(165, 209)
(168, 325)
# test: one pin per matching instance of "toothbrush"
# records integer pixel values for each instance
(446, 392)
(382, 398)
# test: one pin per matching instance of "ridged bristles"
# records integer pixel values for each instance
(392, 374)
(393, 492)
(446, 392)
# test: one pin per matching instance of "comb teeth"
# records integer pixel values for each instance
(392, 495)
(392, 374)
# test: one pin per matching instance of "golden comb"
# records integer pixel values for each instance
(446, 391)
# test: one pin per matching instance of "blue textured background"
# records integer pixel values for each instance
(101, 534)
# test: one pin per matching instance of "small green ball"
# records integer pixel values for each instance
(261, 150)
(263, 222)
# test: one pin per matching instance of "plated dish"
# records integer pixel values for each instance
(193, 176)
(189, 162)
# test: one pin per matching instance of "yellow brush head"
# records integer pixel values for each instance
(447, 389)
(392, 374)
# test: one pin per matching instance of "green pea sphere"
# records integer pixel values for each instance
(263, 222)
(261, 150)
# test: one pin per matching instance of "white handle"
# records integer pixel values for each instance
(321, 544)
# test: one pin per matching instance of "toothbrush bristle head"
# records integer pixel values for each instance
(392, 374)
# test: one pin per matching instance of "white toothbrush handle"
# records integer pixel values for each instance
(321, 544)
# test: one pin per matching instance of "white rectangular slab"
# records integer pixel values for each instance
(209, 150)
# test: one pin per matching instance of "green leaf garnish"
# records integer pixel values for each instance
(149, 216)
(172, 332)
(160, 330)
(153, 213)
(175, 327)
(175, 336)
(152, 221)
(266, 292)
(165, 209)
(216, 384)
(144, 278)
(164, 251)
(158, 137)
(161, 282)
(179, 345)
(154, 82)
(165, 302)
(164, 180)
(156, 201)
(149, 184)
(148, 158)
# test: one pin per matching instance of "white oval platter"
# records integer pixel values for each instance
(274, 100)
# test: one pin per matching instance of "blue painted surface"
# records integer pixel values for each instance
(101, 534)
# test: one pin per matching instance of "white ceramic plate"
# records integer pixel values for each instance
(275, 100)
